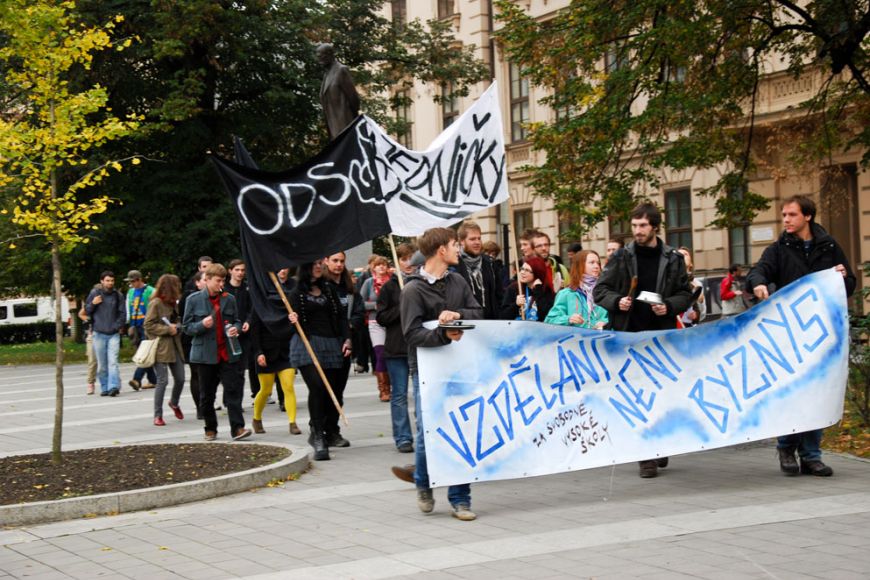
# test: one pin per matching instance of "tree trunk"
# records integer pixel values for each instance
(58, 360)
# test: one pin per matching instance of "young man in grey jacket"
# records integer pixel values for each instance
(211, 317)
(435, 294)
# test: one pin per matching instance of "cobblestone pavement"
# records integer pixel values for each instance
(720, 514)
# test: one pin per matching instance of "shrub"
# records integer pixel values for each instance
(26, 333)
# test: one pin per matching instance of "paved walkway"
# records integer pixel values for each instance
(721, 514)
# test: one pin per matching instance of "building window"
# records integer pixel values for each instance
(738, 243)
(449, 106)
(615, 58)
(402, 110)
(445, 8)
(565, 111)
(620, 229)
(399, 12)
(522, 221)
(519, 103)
(738, 238)
(678, 213)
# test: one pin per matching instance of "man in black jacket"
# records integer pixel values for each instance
(479, 270)
(802, 248)
(238, 287)
(657, 268)
(396, 350)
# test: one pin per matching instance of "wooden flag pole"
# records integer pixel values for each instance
(396, 263)
(516, 254)
(308, 347)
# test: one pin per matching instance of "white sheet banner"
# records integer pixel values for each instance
(461, 173)
(518, 399)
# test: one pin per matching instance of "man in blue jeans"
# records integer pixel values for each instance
(803, 247)
(396, 350)
(106, 309)
(435, 293)
(138, 297)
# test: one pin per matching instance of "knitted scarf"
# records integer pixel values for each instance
(475, 272)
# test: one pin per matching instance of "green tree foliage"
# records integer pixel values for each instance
(204, 70)
(51, 132)
(651, 85)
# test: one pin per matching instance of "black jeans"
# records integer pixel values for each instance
(209, 378)
(338, 383)
(248, 363)
(319, 401)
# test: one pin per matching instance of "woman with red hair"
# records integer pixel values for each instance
(574, 304)
(536, 298)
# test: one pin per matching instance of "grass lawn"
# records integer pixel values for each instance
(43, 353)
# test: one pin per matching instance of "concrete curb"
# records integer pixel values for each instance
(156, 497)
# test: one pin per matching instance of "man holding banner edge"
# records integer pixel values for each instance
(802, 248)
(435, 293)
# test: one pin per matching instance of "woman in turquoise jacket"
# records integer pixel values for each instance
(574, 305)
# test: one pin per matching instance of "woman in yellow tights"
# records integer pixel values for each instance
(271, 345)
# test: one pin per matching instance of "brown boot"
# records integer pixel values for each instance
(383, 385)
(294, 429)
(257, 424)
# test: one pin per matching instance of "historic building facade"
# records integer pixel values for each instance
(686, 213)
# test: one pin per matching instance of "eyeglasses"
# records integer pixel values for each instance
(529, 270)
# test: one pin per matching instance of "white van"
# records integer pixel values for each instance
(29, 310)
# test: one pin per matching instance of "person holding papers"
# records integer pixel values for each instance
(646, 267)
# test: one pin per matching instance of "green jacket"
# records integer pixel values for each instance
(203, 348)
(570, 302)
(137, 317)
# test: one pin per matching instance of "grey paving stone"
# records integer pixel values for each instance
(721, 514)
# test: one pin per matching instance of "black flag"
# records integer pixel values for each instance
(330, 203)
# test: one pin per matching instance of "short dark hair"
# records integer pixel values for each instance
(649, 211)
(491, 247)
(575, 247)
(618, 241)
(434, 238)
(405, 250)
(235, 262)
(107, 274)
(733, 268)
(807, 205)
(202, 259)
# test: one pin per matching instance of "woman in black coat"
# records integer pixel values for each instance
(318, 309)
(537, 296)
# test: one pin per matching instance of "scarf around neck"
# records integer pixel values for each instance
(588, 285)
(475, 272)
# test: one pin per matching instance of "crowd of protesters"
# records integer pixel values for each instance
(372, 319)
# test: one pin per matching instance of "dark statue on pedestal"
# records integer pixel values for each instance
(338, 96)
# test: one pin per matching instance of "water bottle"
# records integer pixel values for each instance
(233, 343)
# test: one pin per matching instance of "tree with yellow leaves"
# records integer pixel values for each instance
(51, 131)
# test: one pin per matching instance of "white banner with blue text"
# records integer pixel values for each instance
(518, 399)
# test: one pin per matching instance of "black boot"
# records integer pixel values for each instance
(318, 441)
(787, 463)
